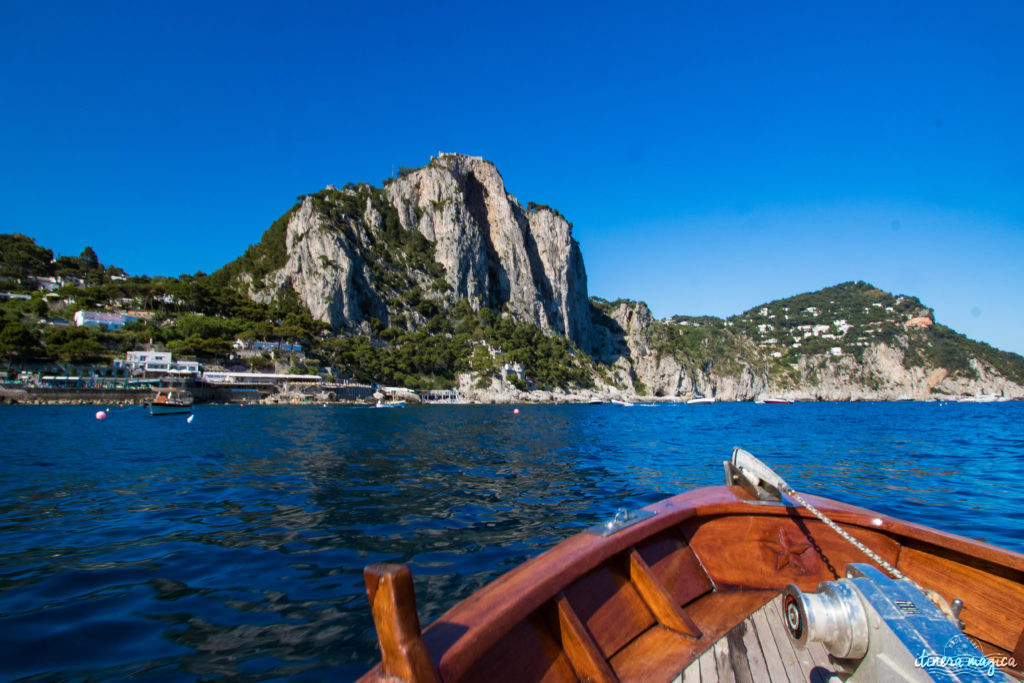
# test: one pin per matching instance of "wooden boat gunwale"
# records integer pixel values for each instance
(465, 633)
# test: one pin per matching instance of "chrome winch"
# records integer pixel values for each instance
(881, 629)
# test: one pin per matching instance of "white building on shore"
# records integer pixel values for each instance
(157, 363)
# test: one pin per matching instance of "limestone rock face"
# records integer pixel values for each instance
(327, 272)
(664, 374)
(626, 341)
(491, 249)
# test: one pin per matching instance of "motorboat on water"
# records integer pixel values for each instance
(700, 400)
(390, 404)
(170, 402)
(749, 581)
(979, 398)
(776, 401)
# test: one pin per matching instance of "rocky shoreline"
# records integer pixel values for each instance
(524, 398)
(498, 392)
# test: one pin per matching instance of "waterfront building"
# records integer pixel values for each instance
(259, 378)
(157, 363)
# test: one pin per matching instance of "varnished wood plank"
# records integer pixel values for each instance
(769, 552)
(993, 605)
(610, 607)
(676, 565)
(657, 598)
(583, 653)
(390, 591)
(1018, 652)
(716, 613)
(529, 653)
(654, 655)
(777, 669)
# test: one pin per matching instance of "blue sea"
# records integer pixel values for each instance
(158, 549)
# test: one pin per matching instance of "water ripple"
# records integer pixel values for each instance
(234, 546)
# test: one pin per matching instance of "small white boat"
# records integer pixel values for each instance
(775, 401)
(980, 398)
(390, 404)
(170, 402)
(700, 400)
(621, 403)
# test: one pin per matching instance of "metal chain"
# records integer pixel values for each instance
(932, 595)
(896, 573)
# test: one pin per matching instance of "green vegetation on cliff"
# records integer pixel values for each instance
(706, 343)
(457, 341)
(20, 257)
(850, 318)
(942, 347)
(426, 336)
(199, 316)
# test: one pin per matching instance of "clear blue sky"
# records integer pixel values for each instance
(712, 155)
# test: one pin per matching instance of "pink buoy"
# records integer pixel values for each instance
(516, 411)
(100, 415)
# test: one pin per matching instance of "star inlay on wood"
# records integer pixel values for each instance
(790, 553)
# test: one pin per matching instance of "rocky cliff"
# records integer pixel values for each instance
(848, 342)
(401, 254)
(392, 261)
(730, 370)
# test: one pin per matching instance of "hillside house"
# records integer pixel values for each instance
(513, 369)
(108, 321)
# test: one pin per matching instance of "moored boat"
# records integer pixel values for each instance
(772, 400)
(979, 398)
(390, 404)
(700, 400)
(748, 581)
(170, 402)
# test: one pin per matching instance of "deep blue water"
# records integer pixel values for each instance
(156, 549)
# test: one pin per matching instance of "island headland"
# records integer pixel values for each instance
(440, 283)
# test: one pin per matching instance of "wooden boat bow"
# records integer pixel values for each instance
(646, 602)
